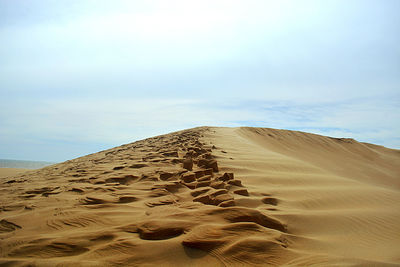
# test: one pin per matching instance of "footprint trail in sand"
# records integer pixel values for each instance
(125, 205)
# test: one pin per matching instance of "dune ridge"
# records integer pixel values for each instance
(209, 195)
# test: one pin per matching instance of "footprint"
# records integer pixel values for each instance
(118, 168)
(165, 200)
(45, 191)
(156, 230)
(127, 199)
(76, 190)
(242, 192)
(210, 237)
(125, 180)
(93, 201)
(138, 166)
(6, 226)
(241, 214)
(270, 200)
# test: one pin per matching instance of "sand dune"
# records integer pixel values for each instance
(209, 197)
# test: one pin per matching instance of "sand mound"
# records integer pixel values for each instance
(209, 196)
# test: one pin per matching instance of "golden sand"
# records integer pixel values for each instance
(209, 196)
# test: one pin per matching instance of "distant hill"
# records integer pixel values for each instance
(23, 164)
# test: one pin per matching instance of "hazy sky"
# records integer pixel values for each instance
(80, 76)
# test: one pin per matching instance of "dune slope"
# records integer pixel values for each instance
(214, 196)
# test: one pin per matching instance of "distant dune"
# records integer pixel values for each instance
(209, 196)
(23, 164)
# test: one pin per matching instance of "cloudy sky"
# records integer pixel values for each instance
(81, 76)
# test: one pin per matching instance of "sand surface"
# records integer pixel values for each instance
(4, 172)
(209, 197)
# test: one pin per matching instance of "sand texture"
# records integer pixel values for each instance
(209, 196)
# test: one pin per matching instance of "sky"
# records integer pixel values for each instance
(81, 76)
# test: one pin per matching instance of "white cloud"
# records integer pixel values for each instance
(110, 72)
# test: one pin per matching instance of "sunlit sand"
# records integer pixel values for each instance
(209, 197)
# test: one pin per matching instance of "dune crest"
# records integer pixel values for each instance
(214, 196)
